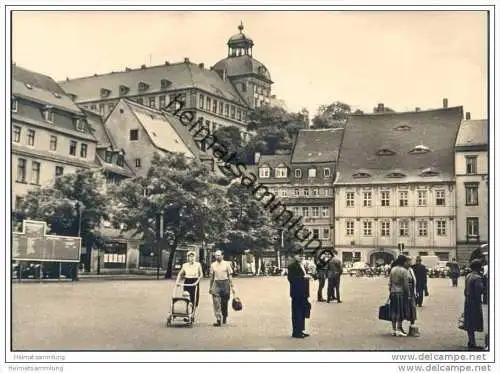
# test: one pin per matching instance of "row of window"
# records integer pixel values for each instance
(302, 192)
(120, 161)
(313, 212)
(30, 140)
(422, 228)
(325, 233)
(219, 107)
(34, 175)
(385, 198)
(281, 172)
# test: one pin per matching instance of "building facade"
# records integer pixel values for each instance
(471, 167)
(395, 188)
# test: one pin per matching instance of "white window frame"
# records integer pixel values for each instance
(421, 198)
(327, 235)
(315, 212)
(349, 228)
(441, 195)
(385, 198)
(327, 172)
(367, 199)
(281, 172)
(404, 228)
(305, 212)
(311, 172)
(298, 173)
(367, 228)
(403, 196)
(325, 212)
(264, 172)
(441, 228)
(385, 228)
(423, 228)
(349, 202)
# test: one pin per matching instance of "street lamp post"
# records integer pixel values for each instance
(78, 208)
(160, 239)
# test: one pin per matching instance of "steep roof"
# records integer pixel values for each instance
(98, 129)
(243, 65)
(126, 170)
(38, 80)
(473, 132)
(181, 75)
(274, 160)
(419, 146)
(317, 145)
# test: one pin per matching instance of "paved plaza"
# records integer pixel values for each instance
(130, 315)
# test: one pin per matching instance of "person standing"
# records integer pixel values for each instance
(192, 273)
(299, 292)
(412, 305)
(454, 272)
(322, 274)
(221, 284)
(473, 310)
(399, 292)
(420, 271)
(334, 274)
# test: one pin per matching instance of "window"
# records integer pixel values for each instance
(326, 172)
(404, 228)
(238, 116)
(134, 135)
(164, 83)
(201, 102)
(108, 156)
(35, 173)
(471, 165)
(349, 199)
(306, 192)
(208, 105)
(111, 106)
(385, 198)
(441, 227)
(316, 234)
(49, 116)
(298, 173)
(367, 228)
(326, 233)
(296, 192)
(226, 110)
(162, 101)
(385, 229)
(140, 100)
(315, 192)
(138, 163)
(367, 199)
(120, 160)
(93, 107)
(403, 198)
(315, 212)
(422, 228)
(440, 198)
(59, 170)
(349, 228)
(305, 211)
(311, 172)
(325, 212)
(243, 87)
(471, 194)
(422, 198)
(101, 109)
(281, 172)
(221, 107)
(14, 105)
(83, 150)
(72, 147)
(264, 172)
(31, 137)
(79, 125)
(214, 106)
(152, 102)
(283, 192)
(295, 211)
(53, 143)
(473, 228)
(16, 134)
(21, 170)
(233, 112)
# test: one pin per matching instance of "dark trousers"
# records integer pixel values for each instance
(224, 301)
(454, 280)
(420, 296)
(334, 288)
(321, 285)
(485, 290)
(193, 290)
(298, 315)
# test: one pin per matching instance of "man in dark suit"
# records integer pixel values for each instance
(334, 272)
(299, 292)
(420, 271)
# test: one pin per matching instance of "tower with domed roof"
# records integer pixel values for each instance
(250, 77)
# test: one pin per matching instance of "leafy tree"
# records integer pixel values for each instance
(230, 138)
(193, 207)
(334, 115)
(358, 112)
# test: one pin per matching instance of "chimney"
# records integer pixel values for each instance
(380, 108)
(417, 109)
(256, 157)
(186, 60)
(143, 66)
(445, 103)
(167, 63)
(128, 69)
(467, 115)
(201, 65)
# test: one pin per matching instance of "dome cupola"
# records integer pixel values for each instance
(240, 44)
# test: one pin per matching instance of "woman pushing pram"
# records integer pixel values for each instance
(192, 273)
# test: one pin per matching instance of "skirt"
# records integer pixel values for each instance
(412, 310)
(399, 307)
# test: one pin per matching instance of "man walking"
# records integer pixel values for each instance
(420, 271)
(299, 292)
(454, 272)
(334, 272)
(221, 283)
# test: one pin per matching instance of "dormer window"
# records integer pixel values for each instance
(165, 83)
(57, 95)
(327, 172)
(429, 172)
(311, 172)
(396, 175)
(281, 171)
(124, 90)
(48, 114)
(385, 151)
(403, 127)
(143, 87)
(264, 172)
(361, 175)
(13, 105)
(29, 86)
(105, 92)
(298, 173)
(108, 156)
(79, 124)
(420, 149)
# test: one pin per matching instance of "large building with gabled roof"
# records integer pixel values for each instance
(395, 187)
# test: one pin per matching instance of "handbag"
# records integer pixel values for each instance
(384, 311)
(236, 304)
(461, 322)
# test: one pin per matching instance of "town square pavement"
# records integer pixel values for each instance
(131, 315)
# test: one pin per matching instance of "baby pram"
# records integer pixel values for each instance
(182, 310)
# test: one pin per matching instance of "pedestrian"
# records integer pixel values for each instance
(454, 272)
(334, 273)
(221, 285)
(322, 274)
(412, 305)
(473, 310)
(191, 272)
(399, 291)
(299, 293)
(485, 283)
(420, 271)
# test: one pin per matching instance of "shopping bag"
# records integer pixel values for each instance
(237, 305)
(384, 312)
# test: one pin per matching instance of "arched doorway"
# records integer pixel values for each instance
(381, 258)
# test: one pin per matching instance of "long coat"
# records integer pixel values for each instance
(299, 286)
(473, 310)
(421, 275)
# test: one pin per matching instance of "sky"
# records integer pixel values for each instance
(404, 59)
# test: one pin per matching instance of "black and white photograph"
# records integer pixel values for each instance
(250, 183)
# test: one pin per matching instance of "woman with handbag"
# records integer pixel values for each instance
(399, 294)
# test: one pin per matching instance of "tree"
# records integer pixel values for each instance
(385, 109)
(334, 115)
(176, 188)
(230, 138)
